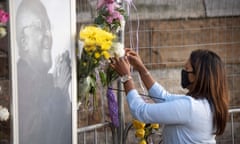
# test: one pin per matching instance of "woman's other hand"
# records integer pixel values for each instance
(121, 65)
(134, 59)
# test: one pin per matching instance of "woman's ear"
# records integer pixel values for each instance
(191, 77)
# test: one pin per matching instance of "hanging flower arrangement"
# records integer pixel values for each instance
(4, 16)
(97, 43)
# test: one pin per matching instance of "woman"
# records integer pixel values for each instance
(194, 118)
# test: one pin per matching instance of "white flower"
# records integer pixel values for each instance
(3, 32)
(117, 49)
(4, 114)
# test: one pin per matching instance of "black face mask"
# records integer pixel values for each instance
(184, 79)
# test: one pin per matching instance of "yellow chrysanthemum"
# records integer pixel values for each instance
(90, 42)
(97, 55)
(106, 55)
(92, 31)
(106, 46)
(143, 141)
(140, 133)
(99, 41)
(89, 49)
(86, 32)
(138, 124)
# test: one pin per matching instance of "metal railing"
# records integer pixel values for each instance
(101, 129)
(107, 127)
(83, 139)
(232, 112)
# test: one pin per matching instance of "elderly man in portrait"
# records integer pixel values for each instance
(44, 103)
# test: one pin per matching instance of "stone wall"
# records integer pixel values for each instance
(165, 45)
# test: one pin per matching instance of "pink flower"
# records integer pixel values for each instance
(117, 15)
(3, 16)
(111, 8)
(109, 1)
(109, 19)
(101, 3)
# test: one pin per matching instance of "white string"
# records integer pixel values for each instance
(137, 42)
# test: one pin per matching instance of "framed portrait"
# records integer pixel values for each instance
(43, 71)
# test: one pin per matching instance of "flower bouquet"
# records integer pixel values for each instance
(98, 46)
(97, 43)
(4, 16)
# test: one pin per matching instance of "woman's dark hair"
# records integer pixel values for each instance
(211, 83)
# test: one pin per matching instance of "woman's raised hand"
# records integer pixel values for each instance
(121, 65)
(134, 59)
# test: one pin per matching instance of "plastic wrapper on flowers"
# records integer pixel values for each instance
(96, 48)
(97, 43)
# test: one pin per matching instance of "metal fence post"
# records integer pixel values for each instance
(121, 115)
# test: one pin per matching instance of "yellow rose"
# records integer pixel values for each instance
(155, 126)
(140, 133)
(138, 124)
(143, 141)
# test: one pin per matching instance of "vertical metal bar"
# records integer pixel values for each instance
(120, 114)
(13, 75)
(120, 129)
(74, 72)
(232, 126)
(106, 135)
(95, 136)
(84, 137)
(114, 135)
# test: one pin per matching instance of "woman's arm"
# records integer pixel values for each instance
(135, 60)
(172, 112)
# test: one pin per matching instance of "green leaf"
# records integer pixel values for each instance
(99, 20)
(103, 78)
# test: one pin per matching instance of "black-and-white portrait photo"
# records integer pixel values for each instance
(43, 71)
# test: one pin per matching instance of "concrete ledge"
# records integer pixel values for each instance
(216, 8)
(173, 9)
